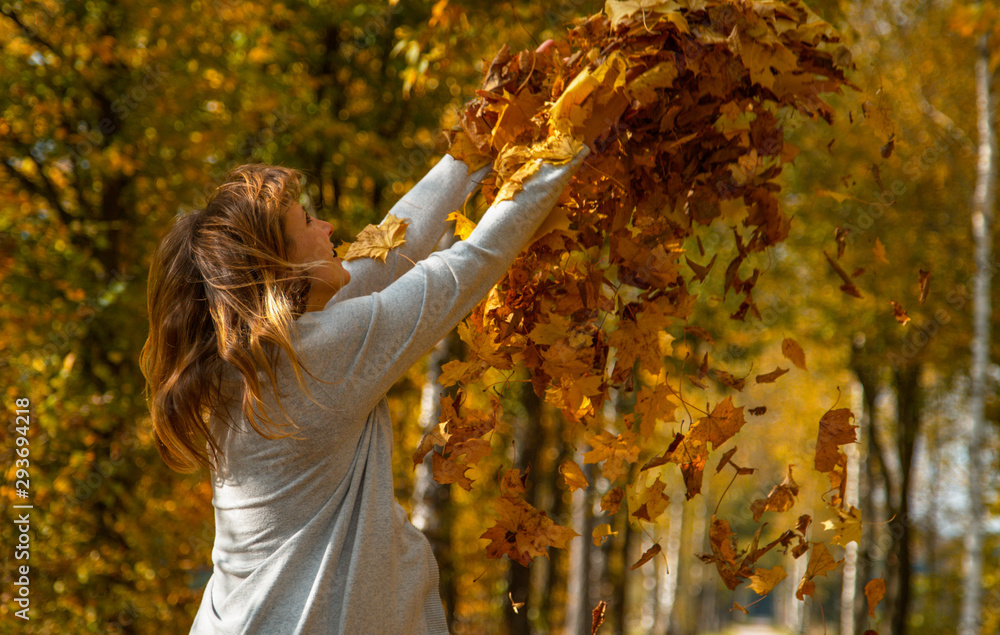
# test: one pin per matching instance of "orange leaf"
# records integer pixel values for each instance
(835, 429)
(720, 426)
(646, 557)
(612, 501)
(780, 499)
(879, 251)
(794, 353)
(899, 312)
(925, 284)
(574, 476)
(874, 591)
(771, 376)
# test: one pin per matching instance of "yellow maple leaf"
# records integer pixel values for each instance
(376, 241)
(763, 580)
(847, 525)
(601, 533)
(575, 479)
(463, 225)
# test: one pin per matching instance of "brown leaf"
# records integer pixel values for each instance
(376, 241)
(438, 435)
(899, 312)
(523, 532)
(780, 499)
(925, 284)
(835, 429)
(700, 272)
(612, 501)
(720, 426)
(773, 375)
(598, 616)
(447, 471)
(646, 557)
(725, 459)
(738, 607)
(736, 383)
(794, 353)
(874, 591)
(841, 236)
(700, 333)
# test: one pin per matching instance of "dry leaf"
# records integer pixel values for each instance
(874, 591)
(376, 241)
(574, 476)
(763, 580)
(646, 557)
(835, 430)
(794, 353)
(925, 284)
(774, 374)
(899, 312)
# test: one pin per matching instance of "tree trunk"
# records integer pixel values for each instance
(577, 612)
(982, 226)
(432, 502)
(527, 446)
(908, 408)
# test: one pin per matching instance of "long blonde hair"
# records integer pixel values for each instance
(222, 296)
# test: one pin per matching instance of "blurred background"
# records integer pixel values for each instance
(117, 116)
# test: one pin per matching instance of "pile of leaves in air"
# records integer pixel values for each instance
(681, 97)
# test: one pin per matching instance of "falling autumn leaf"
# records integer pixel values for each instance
(879, 251)
(847, 526)
(780, 499)
(612, 501)
(601, 533)
(899, 312)
(764, 580)
(598, 616)
(463, 225)
(574, 476)
(647, 556)
(376, 241)
(874, 592)
(653, 502)
(514, 605)
(925, 283)
(770, 377)
(835, 430)
(840, 235)
(820, 563)
(794, 353)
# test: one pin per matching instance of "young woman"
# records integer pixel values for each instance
(268, 361)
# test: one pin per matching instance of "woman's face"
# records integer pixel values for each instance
(309, 241)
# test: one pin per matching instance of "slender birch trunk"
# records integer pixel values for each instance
(982, 224)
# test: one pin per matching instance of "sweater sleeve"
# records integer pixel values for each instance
(393, 328)
(427, 205)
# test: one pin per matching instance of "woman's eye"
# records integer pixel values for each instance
(309, 219)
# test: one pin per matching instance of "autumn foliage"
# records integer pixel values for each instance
(680, 103)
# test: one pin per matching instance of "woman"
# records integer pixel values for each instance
(255, 322)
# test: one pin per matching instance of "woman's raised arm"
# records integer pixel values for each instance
(373, 340)
(441, 191)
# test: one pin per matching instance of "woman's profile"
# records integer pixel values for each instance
(268, 361)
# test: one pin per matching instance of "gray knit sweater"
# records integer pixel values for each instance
(308, 535)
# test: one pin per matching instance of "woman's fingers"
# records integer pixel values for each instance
(544, 46)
